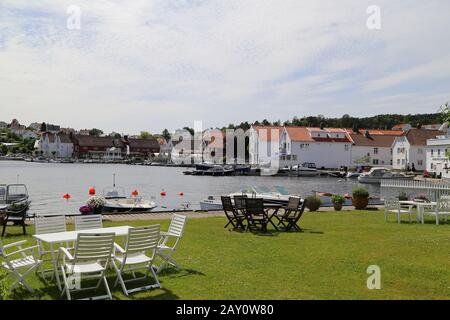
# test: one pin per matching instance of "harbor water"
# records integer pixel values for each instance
(48, 182)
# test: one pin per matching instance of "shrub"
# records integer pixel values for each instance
(360, 192)
(96, 202)
(402, 196)
(313, 203)
(3, 285)
(337, 198)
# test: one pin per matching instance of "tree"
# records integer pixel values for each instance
(95, 132)
(445, 112)
(145, 135)
(166, 134)
(43, 127)
(190, 130)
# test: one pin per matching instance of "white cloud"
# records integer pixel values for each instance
(146, 65)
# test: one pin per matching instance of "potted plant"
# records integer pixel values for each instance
(97, 203)
(338, 201)
(313, 203)
(360, 198)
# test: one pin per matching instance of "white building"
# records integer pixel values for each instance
(409, 149)
(54, 145)
(436, 156)
(28, 134)
(373, 147)
(327, 147)
(264, 143)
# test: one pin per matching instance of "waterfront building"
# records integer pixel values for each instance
(264, 143)
(409, 149)
(326, 147)
(437, 156)
(57, 145)
(373, 147)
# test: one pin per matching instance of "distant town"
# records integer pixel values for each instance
(404, 146)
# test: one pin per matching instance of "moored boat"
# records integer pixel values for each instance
(376, 174)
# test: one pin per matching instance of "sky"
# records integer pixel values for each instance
(146, 65)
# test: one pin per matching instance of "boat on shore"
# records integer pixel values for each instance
(376, 174)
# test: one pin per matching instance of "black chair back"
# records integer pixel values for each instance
(227, 204)
(239, 202)
(254, 206)
(293, 203)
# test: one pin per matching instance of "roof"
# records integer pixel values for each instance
(93, 141)
(150, 143)
(303, 134)
(419, 137)
(267, 135)
(375, 140)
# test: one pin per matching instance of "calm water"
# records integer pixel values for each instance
(48, 182)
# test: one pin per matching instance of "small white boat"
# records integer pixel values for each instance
(116, 201)
(353, 175)
(277, 195)
(376, 174)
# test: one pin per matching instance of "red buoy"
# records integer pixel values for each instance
(135, 193)
(163, 193)
(67, 196)
(181, 194)
(92, 191)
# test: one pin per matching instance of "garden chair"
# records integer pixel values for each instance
(442, 209)
(92, 255)
(43, 225)
(165, 249)
(235, 218)
(139, 241)
(24, 259)
(86, 222)
(288, 219)
(239, 206)
(17, 217)
(393, 205)
(256, 215)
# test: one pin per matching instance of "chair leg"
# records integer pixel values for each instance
(4, 229)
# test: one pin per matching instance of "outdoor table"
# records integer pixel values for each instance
(275, 207)
(71, 236)
(420, 207)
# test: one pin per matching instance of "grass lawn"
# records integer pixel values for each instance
(327, 261)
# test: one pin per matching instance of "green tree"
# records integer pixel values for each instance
(145, 135)
(95, 132)
(166, 134)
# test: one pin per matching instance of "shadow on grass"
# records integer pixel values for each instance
(175, 273)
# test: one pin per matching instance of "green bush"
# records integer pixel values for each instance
(402, 196)
(360, 192)
(313, 203)
(337, 198)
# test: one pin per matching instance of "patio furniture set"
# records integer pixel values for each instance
(439, 210)
(89, 251)
(253, 214)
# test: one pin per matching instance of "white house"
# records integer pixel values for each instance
(28, 134)
(54, 145)
(327, 147)
(409, 149)
(373, 147)
(437, 159)
(264, 143)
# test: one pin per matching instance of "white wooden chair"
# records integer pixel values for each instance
(140, 241)
(25, 259)
(442, 209)
(92, 255)
(393, 206)
(44, 225)
(165, 249)
(86, 222)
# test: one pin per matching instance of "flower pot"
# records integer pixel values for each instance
(360, 203)
(337, 206)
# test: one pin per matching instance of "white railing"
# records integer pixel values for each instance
(394, 187)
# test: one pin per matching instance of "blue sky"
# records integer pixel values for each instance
(154, 64)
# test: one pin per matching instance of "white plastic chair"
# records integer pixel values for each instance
(166, 250)
(92, 255)
(393, 206)
(140, 241)
(49, 225)
(442, 209)
(87, 222)
(25, 260)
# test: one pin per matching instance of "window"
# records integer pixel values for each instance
(403, 161)
(419, 151)
(375, 150)
(432, 151)
(391, 162)
(420, 162)
(399, 150)
(346, 147)
(398, 161)
(439, 152)
(375, 161)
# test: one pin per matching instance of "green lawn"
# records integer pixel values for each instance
(326, 261)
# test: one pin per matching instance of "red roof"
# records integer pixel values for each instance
(265, 132)
(305, 134)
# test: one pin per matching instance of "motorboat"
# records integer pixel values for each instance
(353, 175)
(337, 174)
(307, 169)
(376, 174)
(276, 195)
(14, 197)
(117, 201)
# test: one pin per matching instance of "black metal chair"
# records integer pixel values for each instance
(288, 219)
(16, 216)
(256, 215)
(235, 218)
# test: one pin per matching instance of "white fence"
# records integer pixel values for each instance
(394, 187)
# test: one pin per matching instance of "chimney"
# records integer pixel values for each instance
(367, 134)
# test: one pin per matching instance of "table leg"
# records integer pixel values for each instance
(55, 267)
(271, 217)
